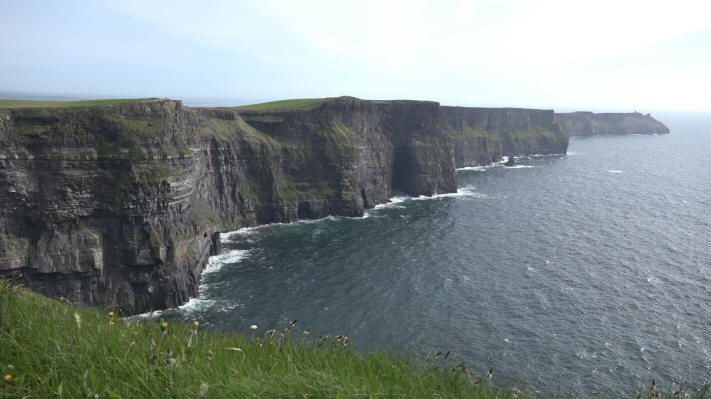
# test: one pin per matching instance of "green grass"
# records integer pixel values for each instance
(55, 104)
(51, 349)
(294, 104)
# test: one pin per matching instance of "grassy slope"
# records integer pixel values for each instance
(83, 103)
(299, 103)
(51, 349)
(55, 350)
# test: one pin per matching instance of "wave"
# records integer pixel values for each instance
(196, 305)
(520, 167)
(614, 171)
(216, 262)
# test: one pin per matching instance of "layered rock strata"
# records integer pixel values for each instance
(583, 124)
(121, 205)
(484, 135)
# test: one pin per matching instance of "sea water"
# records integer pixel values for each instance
(588, 271)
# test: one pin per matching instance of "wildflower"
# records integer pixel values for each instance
(196, 324)
(490, 373)
(8, 377)
(253, 327)
(209, 354)
(111, 323)
(306, 333)
(164, 325)
(135, 332)
(111, 314)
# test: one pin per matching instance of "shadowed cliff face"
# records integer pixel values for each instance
(591, 124)
(121, 205)
(484, 135)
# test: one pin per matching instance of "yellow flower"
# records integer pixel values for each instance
(164, 325)
(135, 332)
(196, 324)
(111, 314)
(8, 377)
(111, 322)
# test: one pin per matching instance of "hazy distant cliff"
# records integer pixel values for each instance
(483, 135)
(120, 205)
(592, 124)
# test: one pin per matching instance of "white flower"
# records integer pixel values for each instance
(253, 327)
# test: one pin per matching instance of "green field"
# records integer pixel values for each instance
(294, 104)
(82, 103)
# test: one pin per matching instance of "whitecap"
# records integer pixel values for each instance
(196, 305)
(216, 262)
(520, 167)
(393, 202)
(147, 315)
(477, 168)
(614, 171)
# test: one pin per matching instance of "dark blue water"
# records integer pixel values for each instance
(589, 270)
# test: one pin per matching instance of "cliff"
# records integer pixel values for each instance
(121, 204)
(591, 124)
(484, 135)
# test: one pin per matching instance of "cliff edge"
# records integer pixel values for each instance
(585, 124)
(484, 135)
(121, 204)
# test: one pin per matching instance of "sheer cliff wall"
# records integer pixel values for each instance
(121, 205)
(481, 136)
(584, 124)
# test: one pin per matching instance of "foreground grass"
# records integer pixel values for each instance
(294, 104)
(60, 104)
(51, 349)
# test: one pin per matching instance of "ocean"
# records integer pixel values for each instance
(588, 271)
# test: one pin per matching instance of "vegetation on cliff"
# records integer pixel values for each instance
(63, 104)
(50, 349)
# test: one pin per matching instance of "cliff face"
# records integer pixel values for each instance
(120, 205)
(484, 135)
(591, 124)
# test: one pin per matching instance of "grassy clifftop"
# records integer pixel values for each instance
(283, 105)
(50, 349)
(63, 104)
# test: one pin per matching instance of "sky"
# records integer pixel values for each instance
(598, 55)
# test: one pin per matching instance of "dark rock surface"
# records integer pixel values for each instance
(121, 205)
(584, 124)
(484, 135)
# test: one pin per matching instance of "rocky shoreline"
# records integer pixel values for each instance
(121, 205)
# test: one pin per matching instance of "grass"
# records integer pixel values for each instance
(51, 349)
(60, 104)
(294, 104)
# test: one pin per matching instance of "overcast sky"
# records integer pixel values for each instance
(604, 55)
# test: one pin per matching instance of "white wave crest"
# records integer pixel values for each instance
(520, 167)
(196, 305)
(614, 171)
(216, 262)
